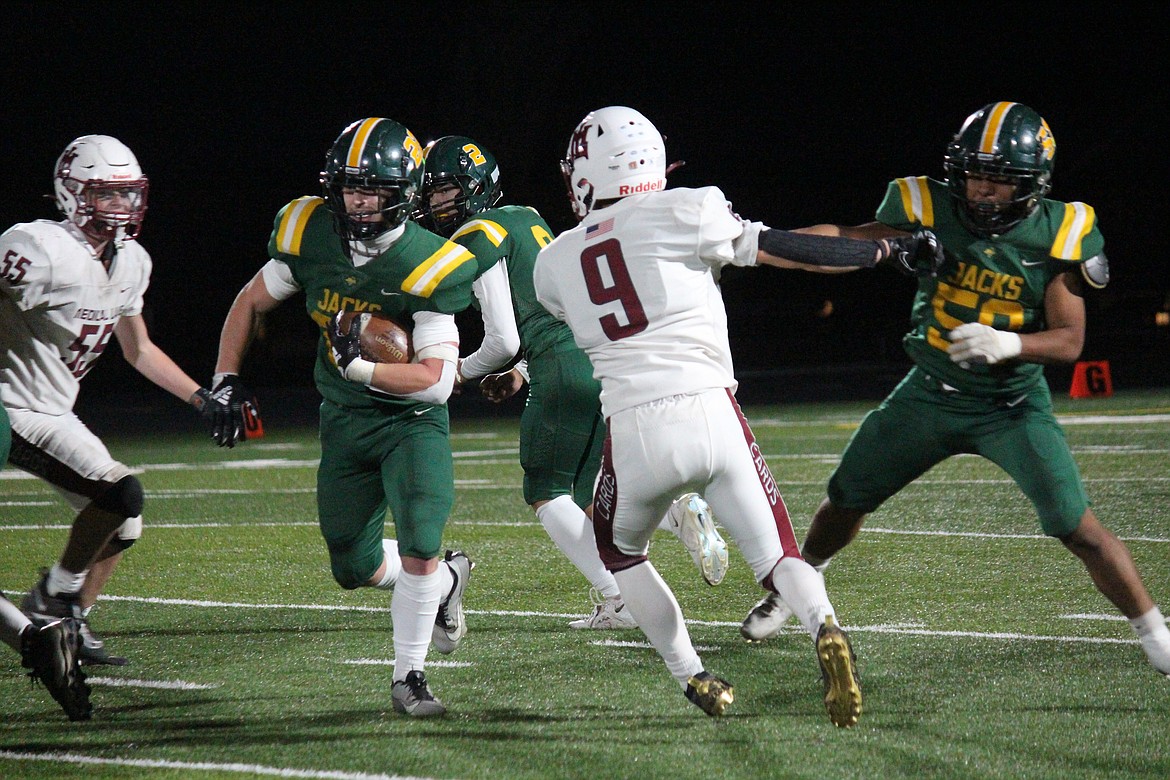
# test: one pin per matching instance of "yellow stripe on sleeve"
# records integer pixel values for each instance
(493, 230)
(1078, 221)
(292, 224)
(916, 200)
(430, 273)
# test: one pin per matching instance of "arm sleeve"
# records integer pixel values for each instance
(432, 330)
(501, 339)
(433, 334)
(811, 249)
(279, 280)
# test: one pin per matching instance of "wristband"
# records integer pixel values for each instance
(360, 370)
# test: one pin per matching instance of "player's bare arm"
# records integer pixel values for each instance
(150, 361)
(242, 322)
(1064, 312)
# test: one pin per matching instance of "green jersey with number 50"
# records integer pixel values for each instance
(999, 281)
(516, 234)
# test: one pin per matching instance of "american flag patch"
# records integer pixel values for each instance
(601, 227)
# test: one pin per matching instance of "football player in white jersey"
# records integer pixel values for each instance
(635, 281)
(65, 288)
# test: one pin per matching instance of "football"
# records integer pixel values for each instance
(382, 340)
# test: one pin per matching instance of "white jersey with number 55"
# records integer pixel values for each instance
(636, 283)
(58, 309)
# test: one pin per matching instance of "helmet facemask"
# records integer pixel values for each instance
(395, 204)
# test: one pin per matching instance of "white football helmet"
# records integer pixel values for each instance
(100, 188)
(614, 152)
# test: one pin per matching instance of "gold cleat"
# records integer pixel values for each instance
(709, 693)
(839, 673)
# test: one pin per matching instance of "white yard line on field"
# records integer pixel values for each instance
(200, 766)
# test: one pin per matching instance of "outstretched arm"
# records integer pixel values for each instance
(828, 249)
(150, 361)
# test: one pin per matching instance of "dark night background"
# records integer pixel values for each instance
(801, 114)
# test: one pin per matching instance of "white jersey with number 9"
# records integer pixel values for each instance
(637, 284)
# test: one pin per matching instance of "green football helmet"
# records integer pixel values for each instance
(376, 155)
(1005, 142)
(459, 161)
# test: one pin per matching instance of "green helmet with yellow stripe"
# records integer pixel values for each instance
(373, 155)
(1005, 142)
(460, 178)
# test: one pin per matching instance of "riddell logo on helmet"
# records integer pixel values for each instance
(646, 186)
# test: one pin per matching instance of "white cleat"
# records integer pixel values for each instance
(608, 613)
(694, 523)
(766, 619)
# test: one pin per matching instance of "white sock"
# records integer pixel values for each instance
(393, 565)
(803, 589)
(1155, 638)
(12, 622)
(63, 581)
(413, 609)
(654, 606)
(572, 532)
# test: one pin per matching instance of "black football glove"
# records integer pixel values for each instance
(229, 396)
(919, 254)
(345, 344)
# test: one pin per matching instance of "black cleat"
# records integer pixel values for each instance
(93, 649)
(413, 696)
(50, 651)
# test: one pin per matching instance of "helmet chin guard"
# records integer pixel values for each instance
(614, 152)
(99, 187)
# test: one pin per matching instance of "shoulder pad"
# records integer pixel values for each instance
(291, 223)
(1096, 271)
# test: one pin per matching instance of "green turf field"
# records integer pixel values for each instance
(984, 649)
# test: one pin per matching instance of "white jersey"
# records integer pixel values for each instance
(636, 283)
(58, 309)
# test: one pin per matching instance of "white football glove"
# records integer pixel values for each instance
(974, 342)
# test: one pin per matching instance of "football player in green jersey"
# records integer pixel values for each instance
(561, 427)
(384, 427)
(1009, 300)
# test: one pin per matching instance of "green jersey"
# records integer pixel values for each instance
(998, 281)
(516, 234)
(419, 272)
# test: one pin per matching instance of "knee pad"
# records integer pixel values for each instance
(127, 534)
(124, 498)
